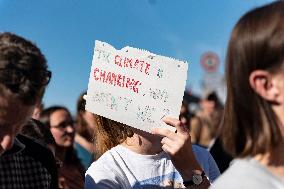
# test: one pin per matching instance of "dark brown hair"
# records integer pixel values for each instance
(23, 69)
(71, 156)
(250, 126)
(46, 114)
(37, 130)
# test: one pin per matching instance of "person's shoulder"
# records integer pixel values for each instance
(200, 150)
(231, 178)
(242, 173)
(33, 147)
(38, 152)
(195, 121)
(105, 172)
(106, 161)
(226, 181)
(111, 160)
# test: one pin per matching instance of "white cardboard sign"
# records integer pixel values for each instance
(134, 86)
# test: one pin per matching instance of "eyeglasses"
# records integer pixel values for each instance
(43, 80)
(63, 125)
(15, 76)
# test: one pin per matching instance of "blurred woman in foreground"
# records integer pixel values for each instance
(253, 127)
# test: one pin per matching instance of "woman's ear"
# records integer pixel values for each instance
(264, 85)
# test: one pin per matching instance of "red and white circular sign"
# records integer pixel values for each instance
(210, 61)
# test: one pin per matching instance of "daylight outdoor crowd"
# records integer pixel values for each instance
(236, 144)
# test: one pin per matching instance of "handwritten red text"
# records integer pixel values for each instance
(116, 79)
(139, 65)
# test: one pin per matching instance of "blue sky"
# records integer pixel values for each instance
(65, 30)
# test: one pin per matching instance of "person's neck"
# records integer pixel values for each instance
(60, 152)
(274, 160)
(84, 143)
(143, 143)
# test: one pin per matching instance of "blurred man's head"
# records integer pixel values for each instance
(60, 122)
(23, 77)
(210, 102)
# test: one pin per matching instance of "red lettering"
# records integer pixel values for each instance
(135, 87)
(127, 62)
(114, 79)
(108, 79)
(117, 60)
(128, 83)
(119, 77)
(102, 75)
(123, 80)
(136, 64)
(147, 68)
(96, 70)
(141, 65)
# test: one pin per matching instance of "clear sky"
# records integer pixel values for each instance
(65, 30)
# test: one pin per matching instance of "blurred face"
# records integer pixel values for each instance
(62, 128)
(279, 106)
(208, 106)
(13, 115)
(37, 111)
(90, 118)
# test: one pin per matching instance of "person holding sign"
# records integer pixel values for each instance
(253, 127)
(132, 158)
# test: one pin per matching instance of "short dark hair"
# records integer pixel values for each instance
(23, 69)
(35, 129)
(257, 43)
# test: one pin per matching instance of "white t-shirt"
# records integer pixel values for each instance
(122, 168)
(247, 174)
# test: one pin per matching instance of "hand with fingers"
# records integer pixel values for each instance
(178, 146)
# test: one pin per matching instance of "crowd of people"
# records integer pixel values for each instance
(238, 144)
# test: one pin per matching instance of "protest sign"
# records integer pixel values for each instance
(134, 86)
